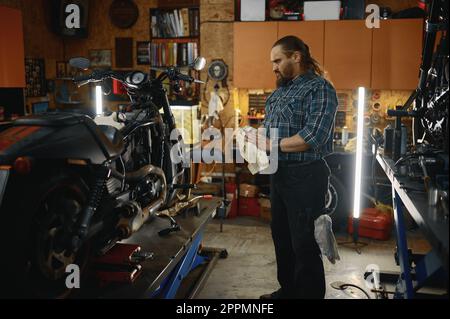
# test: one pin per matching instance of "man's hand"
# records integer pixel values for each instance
(291, 144)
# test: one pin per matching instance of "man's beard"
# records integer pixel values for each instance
(283, 81)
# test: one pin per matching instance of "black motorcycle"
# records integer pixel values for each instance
(70, 188)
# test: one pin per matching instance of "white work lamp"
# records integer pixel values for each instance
(358, 166)
(359, 151)
(358, 169)
(98, 100)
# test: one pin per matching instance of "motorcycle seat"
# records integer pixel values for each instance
(109, 138)
(51, 119)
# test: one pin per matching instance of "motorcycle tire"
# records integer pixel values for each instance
(337, 204)
(45, 208)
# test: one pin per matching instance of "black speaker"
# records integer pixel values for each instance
(70, 18)
(354, 9)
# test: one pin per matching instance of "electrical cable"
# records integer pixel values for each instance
(344, 286)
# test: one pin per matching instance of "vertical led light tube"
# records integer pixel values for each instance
(98, 100)
(359, 151)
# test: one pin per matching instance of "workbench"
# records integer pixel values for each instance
(416, 270)
(175, 255)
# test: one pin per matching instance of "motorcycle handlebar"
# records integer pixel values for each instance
(188, 78)
(95, 76)
(184, 77)
(82, 79)
(99, 75)
(173, 74)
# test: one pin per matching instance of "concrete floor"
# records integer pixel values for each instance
(250, 269)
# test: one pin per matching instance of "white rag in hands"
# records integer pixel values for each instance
(256, 158)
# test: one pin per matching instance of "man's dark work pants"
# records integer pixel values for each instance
(298, 193)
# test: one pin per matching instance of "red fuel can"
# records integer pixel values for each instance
(373, 223)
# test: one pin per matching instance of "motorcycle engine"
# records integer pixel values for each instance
(147, 190)
(113, 185)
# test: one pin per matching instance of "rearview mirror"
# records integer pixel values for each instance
(80, 63)
(199, 63)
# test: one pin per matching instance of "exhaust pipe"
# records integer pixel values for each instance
(135, 216)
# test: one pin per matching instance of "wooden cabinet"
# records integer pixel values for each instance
(348, 53)
(311, 32)
(253, 42)
(12, 59)
(397, 54)
(351, 54)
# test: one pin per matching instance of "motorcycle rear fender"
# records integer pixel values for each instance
(73, 142)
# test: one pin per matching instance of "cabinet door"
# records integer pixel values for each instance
(12, 59)
(397, 54)
(348, 50)
(311, 32)
(253, 42)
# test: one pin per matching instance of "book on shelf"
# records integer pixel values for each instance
(173, 54)
(184, 22)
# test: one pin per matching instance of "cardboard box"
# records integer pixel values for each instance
(264, 202)
(253, 10)
(248, 190)
(265, 211)
(266, 214)
(322, 10)
(208, 189)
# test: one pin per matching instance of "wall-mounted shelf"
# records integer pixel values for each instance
(175, 39)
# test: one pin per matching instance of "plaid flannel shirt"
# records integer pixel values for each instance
(307, 107)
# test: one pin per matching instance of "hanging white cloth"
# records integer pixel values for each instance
(215, 105)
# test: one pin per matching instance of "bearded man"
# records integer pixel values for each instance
(303, 109)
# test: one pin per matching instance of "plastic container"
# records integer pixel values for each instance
(249, 207)
(373, 224)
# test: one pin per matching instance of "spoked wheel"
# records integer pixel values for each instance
(336, 203)
(331, 199)
(52, 229)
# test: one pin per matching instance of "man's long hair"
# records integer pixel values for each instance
(291, 44)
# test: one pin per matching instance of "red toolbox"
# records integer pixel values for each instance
(373, 223)
(249, 206)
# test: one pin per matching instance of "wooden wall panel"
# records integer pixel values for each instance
(12, 67)
(311, 32)
(102, 32)
(253, 42)
(397, 54)
(348, 53)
